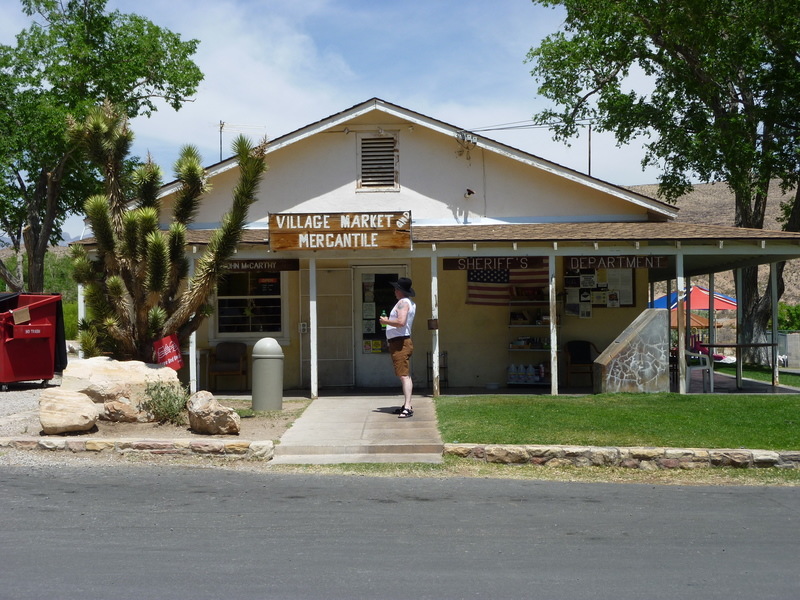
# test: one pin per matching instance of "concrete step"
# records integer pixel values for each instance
(334, 459)
(357, 448)
(341, 429)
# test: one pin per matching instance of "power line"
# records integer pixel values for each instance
(527, 125)
(235, 129)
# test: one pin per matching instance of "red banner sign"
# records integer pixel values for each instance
(168, 352)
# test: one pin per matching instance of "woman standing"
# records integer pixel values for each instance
(398, 337)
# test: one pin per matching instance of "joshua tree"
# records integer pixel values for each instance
(137, 286)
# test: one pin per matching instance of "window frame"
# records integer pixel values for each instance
(282, 296)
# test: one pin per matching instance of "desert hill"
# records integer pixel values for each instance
(714, 204)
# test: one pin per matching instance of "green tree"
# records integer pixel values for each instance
(137, 287)
(723, 106)
(73, 56)
(789, 317)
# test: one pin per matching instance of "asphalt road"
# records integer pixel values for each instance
(155, 532)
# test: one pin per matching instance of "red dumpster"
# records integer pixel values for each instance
(32, 344)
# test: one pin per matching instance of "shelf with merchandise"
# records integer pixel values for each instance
(528, 316)
(537, 344)
(528, 375)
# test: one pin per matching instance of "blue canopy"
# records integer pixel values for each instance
(699, 300)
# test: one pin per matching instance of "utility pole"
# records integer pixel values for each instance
(221, 127)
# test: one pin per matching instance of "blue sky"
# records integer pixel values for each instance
(272, 66)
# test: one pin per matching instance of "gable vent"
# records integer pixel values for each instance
(378, 158)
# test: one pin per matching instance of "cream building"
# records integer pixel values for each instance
(511, 255)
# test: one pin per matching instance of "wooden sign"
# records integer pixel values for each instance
(577, 263)
(491, 263)
(264, 265)
(340, 231)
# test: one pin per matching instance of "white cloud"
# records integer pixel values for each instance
(277, 65)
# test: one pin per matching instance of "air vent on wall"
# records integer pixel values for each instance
(378, 162)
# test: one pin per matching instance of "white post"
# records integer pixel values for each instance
(773, 280)
(712, 330)
(738, 277)
(312, 325)
(81, 311)
(688, 306)
(551, 277)
(681, 314)
(435, 318)
(192, 346)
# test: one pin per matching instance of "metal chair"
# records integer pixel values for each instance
(228, 359)
(580, 359)
(696, 361)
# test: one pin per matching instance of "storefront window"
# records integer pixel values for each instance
(249, 302)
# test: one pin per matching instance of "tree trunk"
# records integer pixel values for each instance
(14, 282)
(755, 309)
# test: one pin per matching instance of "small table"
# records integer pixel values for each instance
(738, 348)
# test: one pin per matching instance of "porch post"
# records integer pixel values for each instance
(712, 330)
(681, 325)
(192, 346)
(435, 318)
(81, 311)
(551, 277)
(688, 305)
(773, 281)
(312, 325)
(739, 353)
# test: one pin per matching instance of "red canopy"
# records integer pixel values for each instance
(698, 300)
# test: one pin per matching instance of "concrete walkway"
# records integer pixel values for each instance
(361, 429)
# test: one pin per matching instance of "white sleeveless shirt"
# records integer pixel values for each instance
(393, 332)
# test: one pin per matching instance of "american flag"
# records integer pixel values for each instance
(534, 277)
(488, 287)
(495, 288)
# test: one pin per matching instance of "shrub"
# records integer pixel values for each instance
(166, 402)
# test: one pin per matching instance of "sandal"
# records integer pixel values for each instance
(399, 409)
(405, 413)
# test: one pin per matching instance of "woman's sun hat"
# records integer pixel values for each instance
(404, 285)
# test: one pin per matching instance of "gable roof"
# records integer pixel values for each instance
(658, 210)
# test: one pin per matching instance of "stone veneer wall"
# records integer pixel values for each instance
(645, 458)
(638, 360)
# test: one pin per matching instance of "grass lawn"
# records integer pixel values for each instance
(689, 421)
(759, 373)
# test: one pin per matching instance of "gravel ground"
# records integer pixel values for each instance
(19, 417)
(18, 402)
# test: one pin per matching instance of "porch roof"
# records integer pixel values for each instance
(705, 248)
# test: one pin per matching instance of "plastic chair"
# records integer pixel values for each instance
(580, 359)
(697, 361)
(228, 359)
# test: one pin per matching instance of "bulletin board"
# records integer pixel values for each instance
(588, 289)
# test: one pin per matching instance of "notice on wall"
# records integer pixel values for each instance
(587, 288)
(621, 280)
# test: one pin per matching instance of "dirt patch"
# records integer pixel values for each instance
(260, 426)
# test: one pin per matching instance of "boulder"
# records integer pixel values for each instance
(63, 411)
(207, 415)
(104, 379)
(120, 411)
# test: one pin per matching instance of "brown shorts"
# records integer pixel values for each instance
(401, 350)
